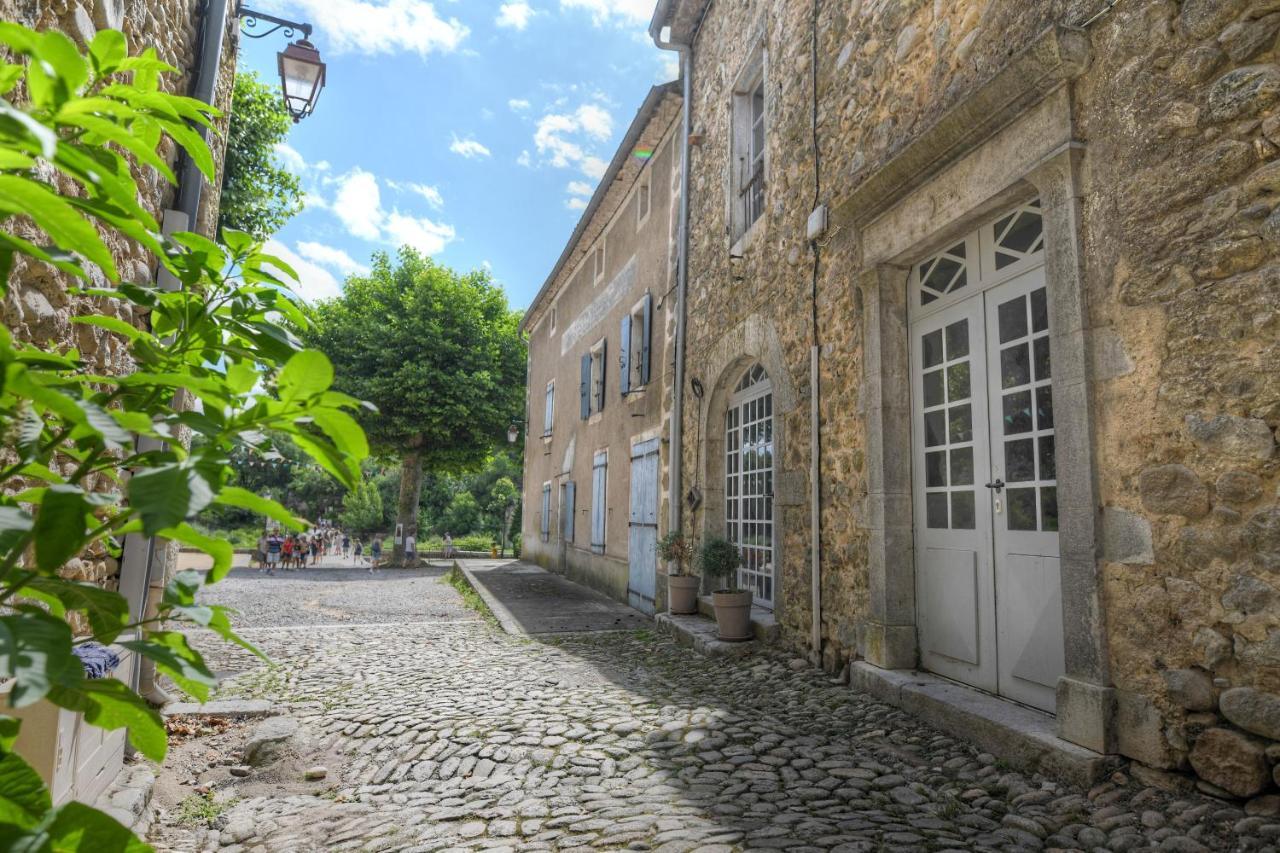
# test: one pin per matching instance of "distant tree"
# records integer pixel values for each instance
(258, 194)
(438, 353)
(362, 510)
(462, 517)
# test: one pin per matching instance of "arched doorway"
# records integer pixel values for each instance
(749, 482)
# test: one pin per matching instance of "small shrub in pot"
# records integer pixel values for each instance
(719, 558)
(682, 588)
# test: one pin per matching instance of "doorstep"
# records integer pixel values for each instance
(763, 625)
(128, 797)
(699, 631)
(1023, 737)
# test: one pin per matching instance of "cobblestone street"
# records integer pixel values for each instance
(444, 732)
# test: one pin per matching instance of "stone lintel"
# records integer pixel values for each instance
(1021, 736)
(1059, 54)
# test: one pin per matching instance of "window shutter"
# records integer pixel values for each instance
(546, 513)
(604, 372)
(569, 510)
(647, 339)
(584, 389)
(598, 502)
(624, 357)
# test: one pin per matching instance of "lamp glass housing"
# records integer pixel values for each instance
(301, 78)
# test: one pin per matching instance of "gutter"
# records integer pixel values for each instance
(685, 51)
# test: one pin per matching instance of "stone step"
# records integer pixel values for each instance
(700, 634)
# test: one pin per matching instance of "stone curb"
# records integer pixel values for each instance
(504, 616)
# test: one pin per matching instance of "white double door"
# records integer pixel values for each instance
(989, 596)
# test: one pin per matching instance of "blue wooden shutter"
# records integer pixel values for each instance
(624, 356)
(584, 389)
(598, 501)
(647, 339)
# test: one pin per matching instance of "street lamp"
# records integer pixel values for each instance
(513, 432)
(302, 74)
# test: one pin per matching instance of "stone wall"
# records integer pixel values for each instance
(1180, 182)
(38, 307)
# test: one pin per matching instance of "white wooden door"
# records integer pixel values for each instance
(1027, 576)
(988, 588)
(642, 527)
(954, 576)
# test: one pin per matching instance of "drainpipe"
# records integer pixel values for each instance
(815, 388)
(685, 51)
(140, 557)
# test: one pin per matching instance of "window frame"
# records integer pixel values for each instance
(544, 522)
(644, 201)
(598, 258)
(549, 410)
(599, 370)
(599, 501)
(745, 151)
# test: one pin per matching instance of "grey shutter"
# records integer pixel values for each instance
(604, 373)
(568, 511)
(584, 389)
(546, 513)
(598, 502)
(624, 356)
(647, 339)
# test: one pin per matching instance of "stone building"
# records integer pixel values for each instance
(1006, 413)
(597, 352)
(80, 761)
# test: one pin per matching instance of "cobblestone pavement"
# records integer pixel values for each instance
(453, 735)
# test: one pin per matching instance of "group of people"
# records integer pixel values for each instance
(291, 551)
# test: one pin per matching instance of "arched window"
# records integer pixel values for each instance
(748, 505)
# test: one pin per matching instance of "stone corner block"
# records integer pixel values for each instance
(1087, 714)
(1140, 732)
(890, 646)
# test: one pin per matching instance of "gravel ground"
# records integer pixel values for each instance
(444, 733)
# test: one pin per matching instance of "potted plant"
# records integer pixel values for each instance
(682, 587)
(720, 558)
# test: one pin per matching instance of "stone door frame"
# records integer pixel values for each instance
(1032, 152)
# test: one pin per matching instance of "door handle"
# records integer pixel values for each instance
(997, 485)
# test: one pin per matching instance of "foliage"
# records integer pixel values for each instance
(258, 194)
(245, 536)
(676, 548)
(459, 581)
(463, 514)
(719, 558)
(223, 340)
(362, 510)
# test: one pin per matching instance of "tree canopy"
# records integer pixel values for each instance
(258, 194)
(440, 356)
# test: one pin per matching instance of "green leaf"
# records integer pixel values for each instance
(245, 499)
(182, 588)
(167, 495)
(23, 797)
(107, 611)
(58, 219)
(343, 431)
(44, 136)
(219, 549)
(242, 376)
(112, 324)
(121, 136)
(108, 704)
(9, 77)
(35, 650)
(77, 827)
(308, 372)
(107, 50)
(9, 728)
(113, 435)
(60, 530)
(62, 54)
(343, 468)
(174, 656)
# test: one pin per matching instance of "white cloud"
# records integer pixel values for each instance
(525, 159)
(518, 105)
(378, 26)
(576, 203)
(595, 120)
(555, 135)
(594, 167)
(333, 257)
(314, 281)
(624, 12)
(468, 148)
(358, 204)
(426, 236)
(290, 158)
(580, 188)
(515, 15)
(430, 193)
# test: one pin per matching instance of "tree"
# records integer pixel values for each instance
(362, 509)
(439, 355)
(258, 194)
(226, 339)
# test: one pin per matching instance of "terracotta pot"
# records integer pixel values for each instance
(733, 614)
(682, 594)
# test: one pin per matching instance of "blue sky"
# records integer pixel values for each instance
(475, 130)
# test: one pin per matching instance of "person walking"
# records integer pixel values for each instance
(260, 554)
(315, 549)
(375, 553)
(275, 546)
(448, 546)
(346, 546)
(359, 552)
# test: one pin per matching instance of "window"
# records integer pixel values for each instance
(567, 499)
(597, 259)
(748, 144)
(599, 509)
(546, 512)
(549, 415)
(643, 200)
(637, 333)
(553, 318)
(591, 386)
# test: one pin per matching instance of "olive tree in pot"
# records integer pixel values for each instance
(719, 558)
(682, 587)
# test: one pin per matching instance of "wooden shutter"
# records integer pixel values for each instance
(599, 503)
(624, 356)
(647, 339)
(546, 512)
(569, 511)
(604, 372)
(584, 389)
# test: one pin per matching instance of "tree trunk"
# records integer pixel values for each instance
(407, 511)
